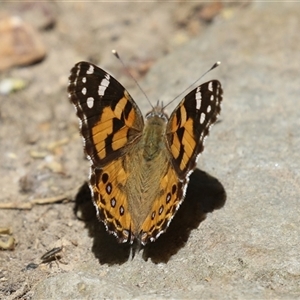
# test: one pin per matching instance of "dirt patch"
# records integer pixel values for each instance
(41, 150)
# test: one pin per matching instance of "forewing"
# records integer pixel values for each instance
(189, 124)
(109, 118)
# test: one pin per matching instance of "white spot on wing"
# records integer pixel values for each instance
(78, 71)
(208, 108)
(83, 91)
(84, 79)
(90, 70)
(103, 85)
(212, 98)
(202, 118)
(201, 136)
(198, 98)
(210, 87)
(90, 102)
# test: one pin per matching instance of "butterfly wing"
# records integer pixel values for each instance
(110, 122)
(189, 124)
(109, 118)
(164, 207)
(186, 129)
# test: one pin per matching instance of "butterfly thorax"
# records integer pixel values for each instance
(153, 135)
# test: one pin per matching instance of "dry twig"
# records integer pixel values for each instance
(66, 197)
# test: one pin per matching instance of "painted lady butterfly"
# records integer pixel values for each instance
(139, 168)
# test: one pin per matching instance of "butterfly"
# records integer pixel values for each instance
(140, 167)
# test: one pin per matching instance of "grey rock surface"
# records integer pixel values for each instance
(249, 249)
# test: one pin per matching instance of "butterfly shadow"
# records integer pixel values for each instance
(204, 194)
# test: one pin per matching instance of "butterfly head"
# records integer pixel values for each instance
(157, 111)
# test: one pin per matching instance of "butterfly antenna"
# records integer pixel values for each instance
(116, 54)
(215, 65)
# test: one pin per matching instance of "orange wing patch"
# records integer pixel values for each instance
(181, 138)
(105, 127)
(111, 201)
(164, 207)
(188, 143)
